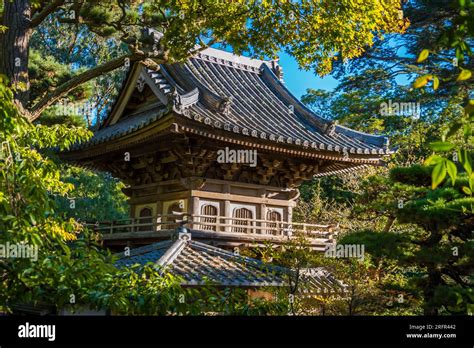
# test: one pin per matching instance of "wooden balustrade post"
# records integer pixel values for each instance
(228, 216)
(112, 226)
(158, 222)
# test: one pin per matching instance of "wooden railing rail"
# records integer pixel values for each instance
(215, 224)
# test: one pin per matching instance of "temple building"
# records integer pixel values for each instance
(220, 143)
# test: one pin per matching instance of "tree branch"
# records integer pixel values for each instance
(50, 98)
(40, 16)
(151, 61)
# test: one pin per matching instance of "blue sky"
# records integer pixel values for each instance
(297, 80)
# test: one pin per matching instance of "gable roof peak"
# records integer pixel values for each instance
(229, 58)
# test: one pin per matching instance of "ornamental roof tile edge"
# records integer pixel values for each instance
(222, 105)
(249, 274)
(267, 74)
(365, 143)
(202, 264)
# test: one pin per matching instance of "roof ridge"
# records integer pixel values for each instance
(234, 256)
(237, 61)
(143, 249)
(172, 253)
(321, 123)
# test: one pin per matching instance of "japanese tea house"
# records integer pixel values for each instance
(218, 141)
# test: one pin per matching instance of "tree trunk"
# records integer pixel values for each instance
(389, 223)
(15, 47)
(434, 280)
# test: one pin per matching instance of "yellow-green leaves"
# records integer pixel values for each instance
(438, 174)
(435, 83)
(423, 55)
(464, 75)
(442, 166)
(422, 81)
(452, 170)
(441, 146)
(465, 159)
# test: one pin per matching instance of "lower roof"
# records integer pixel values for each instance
(202, 264)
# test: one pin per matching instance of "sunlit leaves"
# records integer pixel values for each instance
(316, 33)
(423, 55)
(464, 75)
(465, 159)
(422, 81)
(441, 146)
(439, 173)
(454, 41)
(441, 167)
(452, 170)
(435, 83)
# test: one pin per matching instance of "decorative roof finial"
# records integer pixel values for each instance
(224, 106)
(183, 233)
(277, 69)
(141, 83)
(177, 102)
(331, 128)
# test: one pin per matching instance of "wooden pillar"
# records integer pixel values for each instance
(194, 209)
(263, 216)
(227, 211)
(159, 212)
(228, 215)
(290, 214)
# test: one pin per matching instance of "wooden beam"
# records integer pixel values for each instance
(240, 198)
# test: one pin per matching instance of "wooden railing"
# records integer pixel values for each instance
(216, 224)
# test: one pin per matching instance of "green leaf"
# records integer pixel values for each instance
(441, 146)
(432, 160)
(435, 83)
(465, 159)
(421, 81)
(438, 175)
(467, 190)
(464, 75)
(423, 55)
(452, 171)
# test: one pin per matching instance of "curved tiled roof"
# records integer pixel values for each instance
(125, 126)
(259, 106)
(200, 264)
(244, 97)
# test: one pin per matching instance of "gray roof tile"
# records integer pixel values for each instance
(245, 98)
(198, 264)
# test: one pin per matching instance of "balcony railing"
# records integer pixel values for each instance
(213, 223)
(230, 231)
